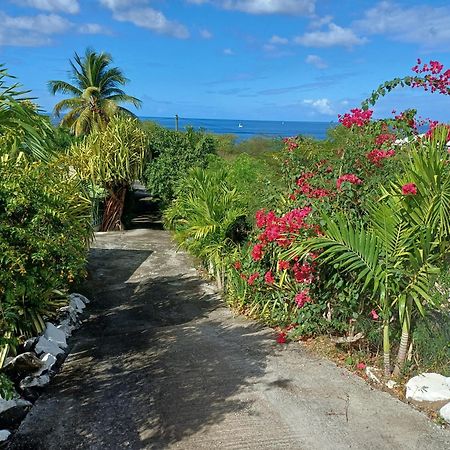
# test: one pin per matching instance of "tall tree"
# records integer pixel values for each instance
(95, 90)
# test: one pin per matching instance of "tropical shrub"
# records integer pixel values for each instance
(22, 128)
(206, 217)
(112, 158)
(173, 154)
(44, 232)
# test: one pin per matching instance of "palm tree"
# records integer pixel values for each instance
(95, 92)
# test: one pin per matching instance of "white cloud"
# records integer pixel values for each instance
(66, 6)
(316, 61)
(277, 40)
(228, 51)
(31, 31)
(422, 24)
(319, 22)
(321, 105)
(138, 13)
(333, 37)
(93, 28)
(300, 7)
(206, 34)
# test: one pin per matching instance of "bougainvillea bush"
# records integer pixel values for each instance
(354, 243)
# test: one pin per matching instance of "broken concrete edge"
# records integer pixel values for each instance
(40, 358)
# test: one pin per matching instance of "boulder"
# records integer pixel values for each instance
(48, 361)
(430, 388)
(4, 435)
(46, 346)
(84, 299)
(22, 365)
(77, 304)
(445, 412)
(55, 335)
(13, 411)
(34, 382)
(66, 327)
(28, 345)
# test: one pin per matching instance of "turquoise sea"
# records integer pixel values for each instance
(246, 129)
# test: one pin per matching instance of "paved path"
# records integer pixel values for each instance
(161, 363)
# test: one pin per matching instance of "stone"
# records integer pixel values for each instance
(55, 335)
(28, 345)
(46, 346)
(429, 387)
(370, 372)
(77, 303)
(391, 384)
(23, 364)
(48, 361)
(34, 382)
(4, 435)
(444, 412)
(84, 299)
(13, 411)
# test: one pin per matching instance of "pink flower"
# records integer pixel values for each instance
(252, 278)
(237, 265)
(361, 366)
(357, 117)
(257, 252)
(409, 189)
(282, 338)
(283, 265)
(302, 298)
(269, 277)
(374, 314)
(349, 177)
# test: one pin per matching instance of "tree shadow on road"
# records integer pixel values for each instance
(158, 362)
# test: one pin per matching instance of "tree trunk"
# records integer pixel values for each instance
(402, 349)
(112, 215)
(386, 350)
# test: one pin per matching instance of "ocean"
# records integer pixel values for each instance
(246, 129)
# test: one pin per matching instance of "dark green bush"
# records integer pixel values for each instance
(174, 153)
(44, 229)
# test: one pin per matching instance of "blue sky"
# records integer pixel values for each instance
(240, 59)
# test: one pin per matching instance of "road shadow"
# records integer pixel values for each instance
(158, 360)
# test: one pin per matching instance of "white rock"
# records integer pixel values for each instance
(370, 372)
(77, 303)
(48, 361)
(55, 335)
(445, 412)
(391, 384)
(4, 435)
(428, 387)
(84, 299)
(46, 346)
(34, 382)
(66, 327)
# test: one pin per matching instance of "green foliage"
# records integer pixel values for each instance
(206, 215)
(174, 153)
(44, 231)
(114, 156)
(22, 128)
(96, 95)
(7, 391)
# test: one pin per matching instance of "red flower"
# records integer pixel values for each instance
(409, 189)
(282, 338)
(374, 314)
(257, 252)
(302, 298)
(357, 117)
(252, 278)
(269, 277)
(283, 265)
(349, 177)
(237, 265)
(361, 366)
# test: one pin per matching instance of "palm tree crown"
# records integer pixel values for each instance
(95, 93)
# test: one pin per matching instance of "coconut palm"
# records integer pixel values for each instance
(95, 93)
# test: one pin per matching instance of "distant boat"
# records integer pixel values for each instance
(240, 125)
